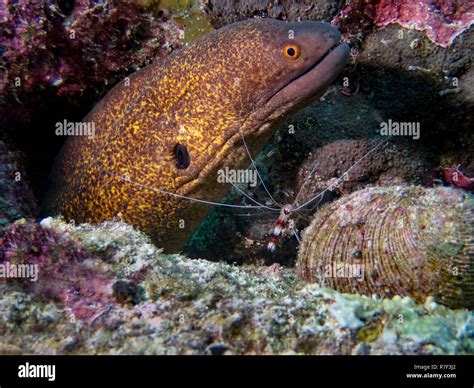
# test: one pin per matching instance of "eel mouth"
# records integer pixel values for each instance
(327, 54)
(310, 84)
(306, 86)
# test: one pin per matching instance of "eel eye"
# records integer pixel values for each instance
(182, 156)
(292, 51)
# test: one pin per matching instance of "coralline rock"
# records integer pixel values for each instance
(367, 162)
(56, 268)
(52, 49)
(199, 307)
(442, 20)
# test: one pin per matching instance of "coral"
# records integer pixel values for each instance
(222, 12)
(442, 20)
(16, 197)
(65, 270)
(199, 307)
(389, 164)
(52, 49)
(190, 14)
(127, 292)
(407, 241)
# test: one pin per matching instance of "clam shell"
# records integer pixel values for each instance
(407, 241)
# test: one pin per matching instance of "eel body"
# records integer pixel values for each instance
(171, 126)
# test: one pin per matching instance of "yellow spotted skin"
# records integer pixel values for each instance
(233, 80)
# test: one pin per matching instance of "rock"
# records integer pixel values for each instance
(200, 307)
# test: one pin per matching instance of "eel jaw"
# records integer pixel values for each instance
(259, 124)
(306, 87)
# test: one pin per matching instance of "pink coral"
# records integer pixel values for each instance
(66, 272)
(442, 20)
(53, 48)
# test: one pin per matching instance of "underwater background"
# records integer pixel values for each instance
(107, 289)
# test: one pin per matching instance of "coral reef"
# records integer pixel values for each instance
(407, 241)
(58, 47)
(190, 14)
(16, 197)
(442, 20)
(64, 270)
(222, 12)
(106, 289)
(183, 306)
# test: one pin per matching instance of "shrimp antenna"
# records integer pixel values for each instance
(252, 199)
(340, 178)
(184, 196)
(254, 164)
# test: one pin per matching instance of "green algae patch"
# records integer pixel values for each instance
(190, 15)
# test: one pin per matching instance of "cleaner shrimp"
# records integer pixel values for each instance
(285, 225)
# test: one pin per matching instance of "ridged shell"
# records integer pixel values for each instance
(408, 241)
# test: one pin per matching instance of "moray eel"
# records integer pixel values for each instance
(173, 124)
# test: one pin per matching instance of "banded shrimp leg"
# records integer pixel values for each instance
(285, 224)
(257, 205)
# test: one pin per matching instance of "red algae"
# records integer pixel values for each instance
(65, 270)
(64, 49)
(455, 177)
(442, 20)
